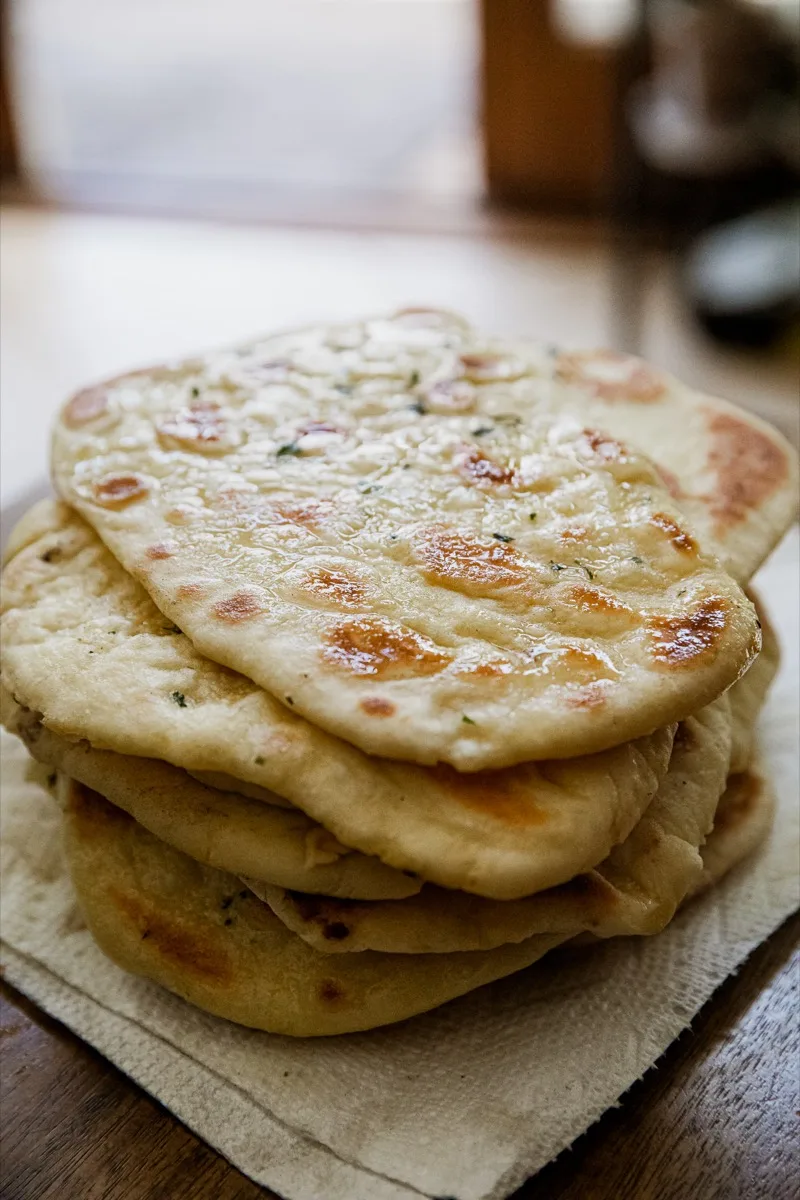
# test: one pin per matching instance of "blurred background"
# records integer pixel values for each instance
(610, 171)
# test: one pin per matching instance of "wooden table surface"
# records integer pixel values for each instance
(85, 296)
(717, 1119)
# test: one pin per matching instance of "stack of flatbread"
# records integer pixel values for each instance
(374, 661)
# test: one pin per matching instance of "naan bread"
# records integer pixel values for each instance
(749, 694)
(85, 647)
(635, 891)
(219, 829)
(424, 547)
(200, 933)
(742, 823)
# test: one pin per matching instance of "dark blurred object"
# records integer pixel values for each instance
(547, 110)
(707, 132)
(743, 279)
(707, 106)
(710, 119)
(9, 158)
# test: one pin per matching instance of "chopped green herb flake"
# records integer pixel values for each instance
(467, 720)
(635, 558)
(554, 566)
(288, 448)
(259, 760)
(173, 629)
(345, 389)
(418, 407)
(288, 699)
(532, 516)
(583, 567)
(195, 392)
(482, 429)
(414, 378)
(179, 699)
(502, 537)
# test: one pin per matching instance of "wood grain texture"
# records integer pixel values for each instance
(716, 1120)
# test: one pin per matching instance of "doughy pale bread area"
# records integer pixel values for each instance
(200, 933)
(748, 695)
(85, 647)
(406, 536)
(742, 822)
(635, 891)
(370, 662)
(219, 829)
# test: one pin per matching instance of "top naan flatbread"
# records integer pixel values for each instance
(419, 544)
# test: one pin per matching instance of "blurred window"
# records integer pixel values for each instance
(247, 104)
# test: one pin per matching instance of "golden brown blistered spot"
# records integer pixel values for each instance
(738, 801)
(161, 550)
(181, 514)
(687, 639)
(748, 465)
(307, 515)
(192, 590)
(577, 659)
(638, 383)
(116, 491)
(504, 795)
(201, 425)
(483, 472)
(574, 533)
(375, 706)
(463, 563)
(325, 913)
(334, 585)
(369, 646)
(589, 599)
(679, 538)
(240, 606)
(601, 446)
(171, 940)
(490, 669)
(590, 695)
(86, 406)
(331, 991)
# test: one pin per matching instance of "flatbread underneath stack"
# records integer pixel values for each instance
(636, 890)
(197, 931)
(221, 829)
(202, 934)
